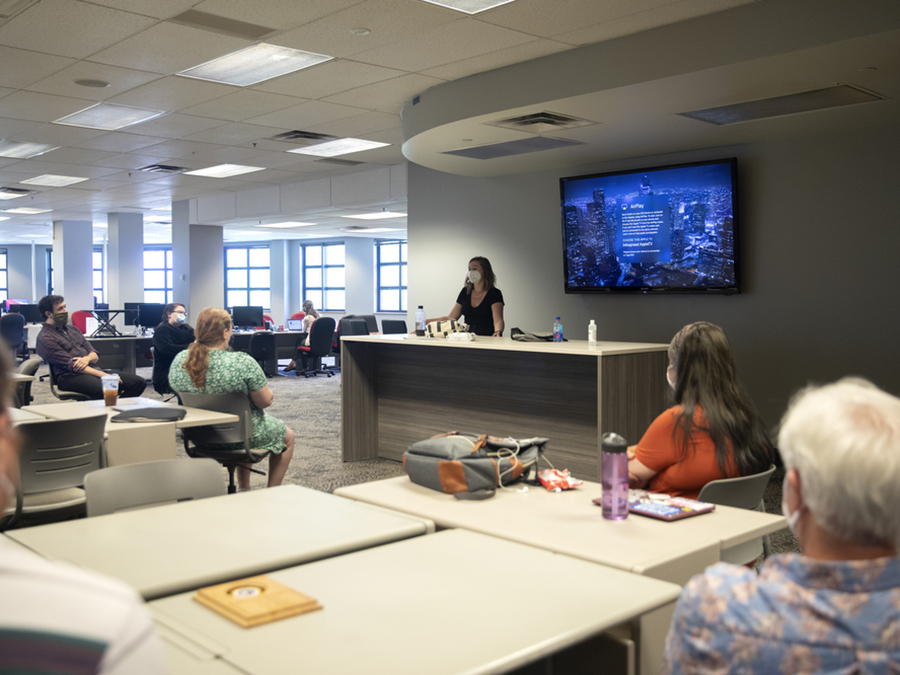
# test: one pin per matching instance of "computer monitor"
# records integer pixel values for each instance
(131, 313)
(247, 317)
(150, 314)
(9, 302)
(31, 313)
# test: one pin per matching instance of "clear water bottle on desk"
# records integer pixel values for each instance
(614, 476)
(592, 334)
(557, 330)
(420, 321)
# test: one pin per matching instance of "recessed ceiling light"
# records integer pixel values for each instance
(93, 84)
(24, 150)
(27, 210)
(342, 146)
(109, 116)
(287, 224)
(4, 218)
(52, 180)
(360, 31)
(6, 194)
(377, 216)
(469, 6)
(254, 64)
(224, 170)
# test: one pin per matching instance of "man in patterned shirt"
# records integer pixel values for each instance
(836, 607)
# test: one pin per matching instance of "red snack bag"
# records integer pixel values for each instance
(553, 479)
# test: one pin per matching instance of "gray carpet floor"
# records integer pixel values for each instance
(312, 408)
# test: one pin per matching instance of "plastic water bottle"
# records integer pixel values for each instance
(614, 476)
(592, 334)
(557, 330)
(420, 321)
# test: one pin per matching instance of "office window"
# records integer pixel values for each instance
(4, 276)
(158, 275)
(391, 281)
(97, 260)
(323, 276)
(247, 276)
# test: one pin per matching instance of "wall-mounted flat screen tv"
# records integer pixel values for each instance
(669, 228)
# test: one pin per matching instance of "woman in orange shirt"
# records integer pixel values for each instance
(713, 432)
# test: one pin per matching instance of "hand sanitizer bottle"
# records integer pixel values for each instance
(592, 334)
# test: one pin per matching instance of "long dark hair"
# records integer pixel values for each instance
(705, 376)
(489, 279)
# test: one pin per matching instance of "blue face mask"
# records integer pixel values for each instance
(181, 319)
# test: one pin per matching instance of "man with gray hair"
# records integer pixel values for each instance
(835, 607)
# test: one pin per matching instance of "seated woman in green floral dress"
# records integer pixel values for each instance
(207, 366)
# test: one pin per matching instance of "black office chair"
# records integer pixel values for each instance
(23, 389)
(64, 395)
(219, 441)
(12, 330)
(262, 348)
(371, 321)
(320, 336)
(393, 326)
(354, 326)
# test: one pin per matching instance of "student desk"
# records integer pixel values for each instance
(451, 602)
(133, 442)
(399, 389)
(123, 353)
(178, 547)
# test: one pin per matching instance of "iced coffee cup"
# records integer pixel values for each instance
(110, 389)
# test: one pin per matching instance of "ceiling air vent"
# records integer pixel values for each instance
(792, 104)
(221, 24)
(302, 137)
(339, 162)
(541, 122)
(12, 193)
(162, 168)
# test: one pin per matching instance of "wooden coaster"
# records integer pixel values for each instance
(255, 601)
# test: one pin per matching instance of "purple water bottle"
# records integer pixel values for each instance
(614, 472)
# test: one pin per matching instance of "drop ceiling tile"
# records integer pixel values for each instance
(176, 125)
(35, 107)
(392, 136)
(279, 14)
(120, 80)
(359, 126)
(57, 134)
(39, 167)
(130, 161)
(224, 156)
(168, 48)
(70, 28)
(243, 104)
(444, 44)
(390, 154)
(159, 9)
(497, 59)
(124, 178)
(178, 149)
(387, 20)
(77, 156)
(303, 115)
(21, 67)
(546, 19)
(5, 91)
(271, 176)
(329, 78)
(278, 160)
(10, 128)
(173, 93)
(386, 96)
(117, 141)
(234, 134)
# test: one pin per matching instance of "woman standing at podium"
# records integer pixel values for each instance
(479, 301)
(172, 335)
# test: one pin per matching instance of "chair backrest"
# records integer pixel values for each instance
(262, 345)
(64, 395)
(298, 316)
(371, 321)
(79, 320)
(745, 492)
(58, 454)
(320, 336)
(12, 329)
(393, 326)
(354, 326)
(136, 486)
(23, 389)
(219, 434)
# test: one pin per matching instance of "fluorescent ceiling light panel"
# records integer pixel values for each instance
(288, 224)
(254, 64)
(52, 180)
(224, 170)
(381, 215)
(24, 150)
(4, 195)
(371, 230)
(109, 116)
(342, 146)
(27, 210)
(3, 218)
(469, 6)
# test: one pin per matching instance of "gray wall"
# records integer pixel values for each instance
(820, 236)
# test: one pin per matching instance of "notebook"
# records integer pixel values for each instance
(295, 324)
(673, 508)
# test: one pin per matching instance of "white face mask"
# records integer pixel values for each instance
(474, 276)
(791, 517)
(670, 376)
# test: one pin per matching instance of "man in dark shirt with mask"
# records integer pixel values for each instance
(72, 357)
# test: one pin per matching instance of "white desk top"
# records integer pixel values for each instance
(69, 410)
(177, 547)
(568, 522)
(451, 602)
(23, 415)
(572, 347)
